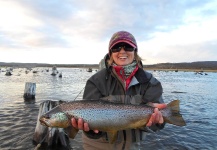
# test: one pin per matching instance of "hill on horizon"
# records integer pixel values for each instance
(206, 65)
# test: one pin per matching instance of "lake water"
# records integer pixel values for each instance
(197, 93)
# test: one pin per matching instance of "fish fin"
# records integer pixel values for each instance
(140, 123)
(112, 136)
(71, 131)
(146, 129)
(176, 117)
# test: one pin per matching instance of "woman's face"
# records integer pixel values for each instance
(123, 57)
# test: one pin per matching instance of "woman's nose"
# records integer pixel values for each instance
(122, 50)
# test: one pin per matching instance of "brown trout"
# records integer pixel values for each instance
(108, 117)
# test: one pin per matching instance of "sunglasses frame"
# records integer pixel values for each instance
(127, 49)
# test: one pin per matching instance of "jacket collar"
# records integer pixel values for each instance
(140, 75)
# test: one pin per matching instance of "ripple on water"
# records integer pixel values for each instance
(198, 106)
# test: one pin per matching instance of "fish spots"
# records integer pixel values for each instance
(59, 116)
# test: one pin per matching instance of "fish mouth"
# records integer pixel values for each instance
(44, 122)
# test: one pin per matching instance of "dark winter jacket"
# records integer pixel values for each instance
(106, 85)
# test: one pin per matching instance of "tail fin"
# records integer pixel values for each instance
(174, 117)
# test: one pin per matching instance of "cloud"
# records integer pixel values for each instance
(87, 25)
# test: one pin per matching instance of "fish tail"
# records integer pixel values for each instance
(175, 118)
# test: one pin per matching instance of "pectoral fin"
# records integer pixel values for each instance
(71, 131)
(112, 136)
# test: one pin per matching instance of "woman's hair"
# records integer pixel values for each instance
(137, 58)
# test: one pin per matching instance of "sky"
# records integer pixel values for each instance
(78, 32)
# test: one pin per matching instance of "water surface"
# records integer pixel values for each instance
(197, 94)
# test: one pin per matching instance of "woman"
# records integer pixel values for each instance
(123, 80)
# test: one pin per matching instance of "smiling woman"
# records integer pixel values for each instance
(123, 80)
(121, 55)
(123, 49)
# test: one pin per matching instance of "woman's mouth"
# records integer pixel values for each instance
(123, 57)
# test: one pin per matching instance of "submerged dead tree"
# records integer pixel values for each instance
(47, 137)
(54, 71)
(29, 91)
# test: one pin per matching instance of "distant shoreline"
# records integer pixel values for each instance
(201, 66)
(145, 68)
(183, 70)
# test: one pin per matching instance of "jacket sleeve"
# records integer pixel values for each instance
(95, 86)
(154, 94)
(154, 91)
(91, 134)
(91, 91)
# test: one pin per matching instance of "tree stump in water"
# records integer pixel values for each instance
(50, 137)
(8, 73)
(54, 71)
(29, 92)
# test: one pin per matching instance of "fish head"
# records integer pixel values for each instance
(58, 120)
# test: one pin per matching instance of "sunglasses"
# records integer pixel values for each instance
(127, 48)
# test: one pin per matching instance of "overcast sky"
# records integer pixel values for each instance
(78, 31)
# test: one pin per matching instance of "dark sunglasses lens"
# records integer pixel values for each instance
(129, 49)
(126, 48)
(114, 50)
